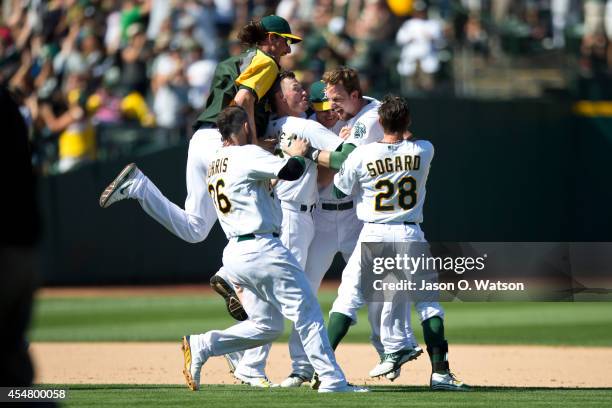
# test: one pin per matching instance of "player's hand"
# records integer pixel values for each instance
(345, 132)
(298, 147)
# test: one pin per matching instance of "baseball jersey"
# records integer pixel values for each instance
(254, 70)
(303, 190)
(392, 180)
(238, 181)
(365, 127)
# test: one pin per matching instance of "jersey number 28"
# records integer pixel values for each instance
(221, 201)
(407, 195)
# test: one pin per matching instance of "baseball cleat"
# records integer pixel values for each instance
(393, 375)
(294, 380)
(233, 304)
(447, 382)
(258, 382)
(119, 189)
(346, 388)
(393, 361)
(192, 365)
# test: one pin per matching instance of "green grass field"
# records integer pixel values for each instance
(167, 318)
(237, 396)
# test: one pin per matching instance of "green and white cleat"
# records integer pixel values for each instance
(393, 361)
(447, 382)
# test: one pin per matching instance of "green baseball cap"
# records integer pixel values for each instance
(317, 97)
(279, 26)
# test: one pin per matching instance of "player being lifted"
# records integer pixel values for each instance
(391, 208)
(273, 284)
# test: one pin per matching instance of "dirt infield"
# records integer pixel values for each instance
(161, 363)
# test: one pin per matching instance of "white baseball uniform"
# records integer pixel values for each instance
(298, 199)
(336, 223)
(365, 129)
(193, 224)
(255, 260)
(391, 179)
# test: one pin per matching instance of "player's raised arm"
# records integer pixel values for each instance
(267, 165)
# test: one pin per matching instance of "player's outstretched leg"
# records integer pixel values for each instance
(437, 347)
(120, 187)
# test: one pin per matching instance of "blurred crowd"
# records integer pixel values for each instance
(78, 67)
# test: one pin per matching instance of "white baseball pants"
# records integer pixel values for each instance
(275, 287)
(391, 328)
(193, 224)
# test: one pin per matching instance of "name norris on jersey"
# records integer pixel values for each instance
(217, 166)
(393, 164)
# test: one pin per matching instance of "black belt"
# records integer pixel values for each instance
(337, 207)
(307, 208)
(247, 237)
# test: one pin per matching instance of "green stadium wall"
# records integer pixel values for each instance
(526, 170)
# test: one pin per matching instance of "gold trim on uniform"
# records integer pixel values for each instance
(260, 74)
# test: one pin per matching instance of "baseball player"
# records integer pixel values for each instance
(391, 206)
(270, 278)
(361, 114)
(336, 230)
(297, 197)
(246, 81)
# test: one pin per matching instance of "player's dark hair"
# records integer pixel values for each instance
(394, 114)
(277, 86)
(253, 33)
(231, 120)
(347, 77)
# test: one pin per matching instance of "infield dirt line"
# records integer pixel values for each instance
(140, 290)
(487, 365)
